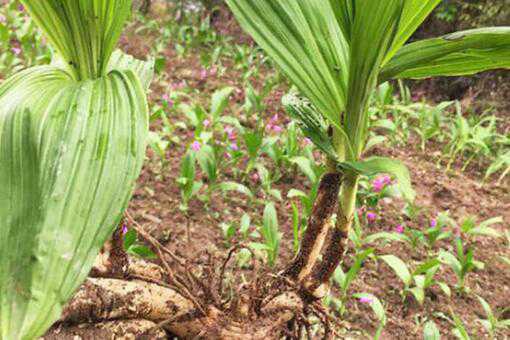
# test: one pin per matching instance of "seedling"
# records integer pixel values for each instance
(492, 324)
(270, 233)
(418, 281)
(378, 309)
(344, 280)
(462, 263)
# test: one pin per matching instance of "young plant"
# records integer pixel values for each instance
(336, 53)
(270, 233)
(418, 281)
(501, 163)
(492, 324)
(133, 247)
(189, 186)
(430, 331)
(378, 309)
(437, 230)
(344, 280)
(430, 121)
(471, 228)
(462, 263)
(73, 137)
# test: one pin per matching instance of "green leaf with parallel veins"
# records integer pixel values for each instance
(72, 143)
(431, 332)
(461, 53)
(377, 165)
(305, 40)
(415, 12)
(399, 267)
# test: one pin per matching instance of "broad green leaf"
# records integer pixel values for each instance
(72, 143)
(71, 26)
(431, 332)
(386, 236)
(461, 53)
(208, 163)
(459, 331)
(375, 304)
(376, 165)
(399, 267)
(293, 193)
(234, 186)
(130, 238)
(219, 101)
(415, 12)
(424, 267)
(418, 292)
(487, 309)
(373, 32)
(270, 232)
(445, 288)
(306, 166)
(90, 144)
(449, 259)
(305, 40)
(143, 69)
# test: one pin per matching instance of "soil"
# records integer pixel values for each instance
(155, 205)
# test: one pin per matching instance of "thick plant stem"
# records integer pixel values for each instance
(338, 236)
(318, 227)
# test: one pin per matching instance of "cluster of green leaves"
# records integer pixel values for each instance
(466, 137)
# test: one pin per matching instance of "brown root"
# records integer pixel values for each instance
(141, 300)
(123, 329)
(318, 227)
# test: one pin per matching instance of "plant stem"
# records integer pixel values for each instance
(318, 227)
(338, 236)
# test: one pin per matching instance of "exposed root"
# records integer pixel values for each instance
(148, 299)
(122, 329)
(317, 229)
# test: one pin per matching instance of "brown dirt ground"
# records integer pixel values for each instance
(156, 206)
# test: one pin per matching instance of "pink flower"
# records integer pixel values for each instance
(366, 300)
(21, 8)
(16, 50)
(277, 128)
(255, 177)
(400, 229)
(234, 146)
(203, 74)
(380, 182)
(213, 71)
(386, 179)
(195, 146)
(371, 217)
(206, 122)
(377, 185)
(274, 119)
(124, 229)
(178, 86)
(308, 141)
(166, 98)
(433, 223)
(230, 132)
